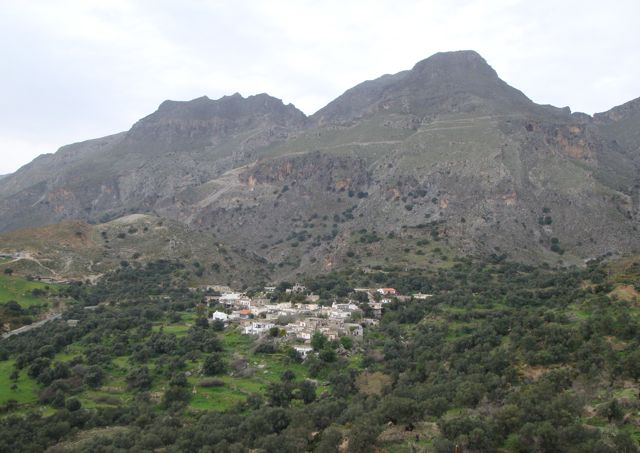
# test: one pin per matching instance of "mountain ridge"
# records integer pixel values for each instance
(446, 144)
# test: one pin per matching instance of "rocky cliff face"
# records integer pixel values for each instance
(445, 156)
(181, 145)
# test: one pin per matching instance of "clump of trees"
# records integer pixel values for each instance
(462, 360)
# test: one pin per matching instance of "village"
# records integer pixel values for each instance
(303, 315)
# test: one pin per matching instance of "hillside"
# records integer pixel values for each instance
(79, 251)
(445, 152)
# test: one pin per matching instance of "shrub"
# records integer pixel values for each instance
(206, 383)
(266, 348)
(213, 364)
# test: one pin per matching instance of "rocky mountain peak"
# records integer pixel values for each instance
(463, 62)
(446, 81)
(203, 122)
(231, 108)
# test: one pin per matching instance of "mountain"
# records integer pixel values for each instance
(442, 160)
(181, 145)
(450, 81)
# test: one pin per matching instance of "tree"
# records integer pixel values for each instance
(201, 321)
(399, 410)
(307, 391)
(58, 399)
(437, 406)
(274, 331)
(73, 404)
(294, 355)
(632, 364)
(93, 376)
(139, 379)
(624, 443)
(38, 366)
(318, 341)
(363, 436)
(12, 307)
(214, 364)
(328, 355)
(612, 411)
(346, 342)
(175, 394)
(217, 325)
(343, 382)
(279, 394)
(329, 441)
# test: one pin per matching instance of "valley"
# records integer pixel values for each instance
(432, 262)
(497, 347)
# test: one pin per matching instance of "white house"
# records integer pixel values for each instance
(339, 314)
(257, 328)
(344, 307)
(230, 298)
(303, 351)
(220, 316)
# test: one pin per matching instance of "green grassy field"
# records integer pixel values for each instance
(26, 391)
(266, 369)
(20, 290)
(215, 398)
(179, 330)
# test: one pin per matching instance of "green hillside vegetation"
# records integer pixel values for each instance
(26, 292)
(503, 356)
(24, 300)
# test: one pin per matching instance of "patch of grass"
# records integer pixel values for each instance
(179, 330)
(626, 393)
(275, 365)
(69, 352)
(26, 391)
(633, 430)
(216, 398)
(20, 290)
(596, 421)
(236, 342)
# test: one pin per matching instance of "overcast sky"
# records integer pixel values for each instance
(79, 69)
